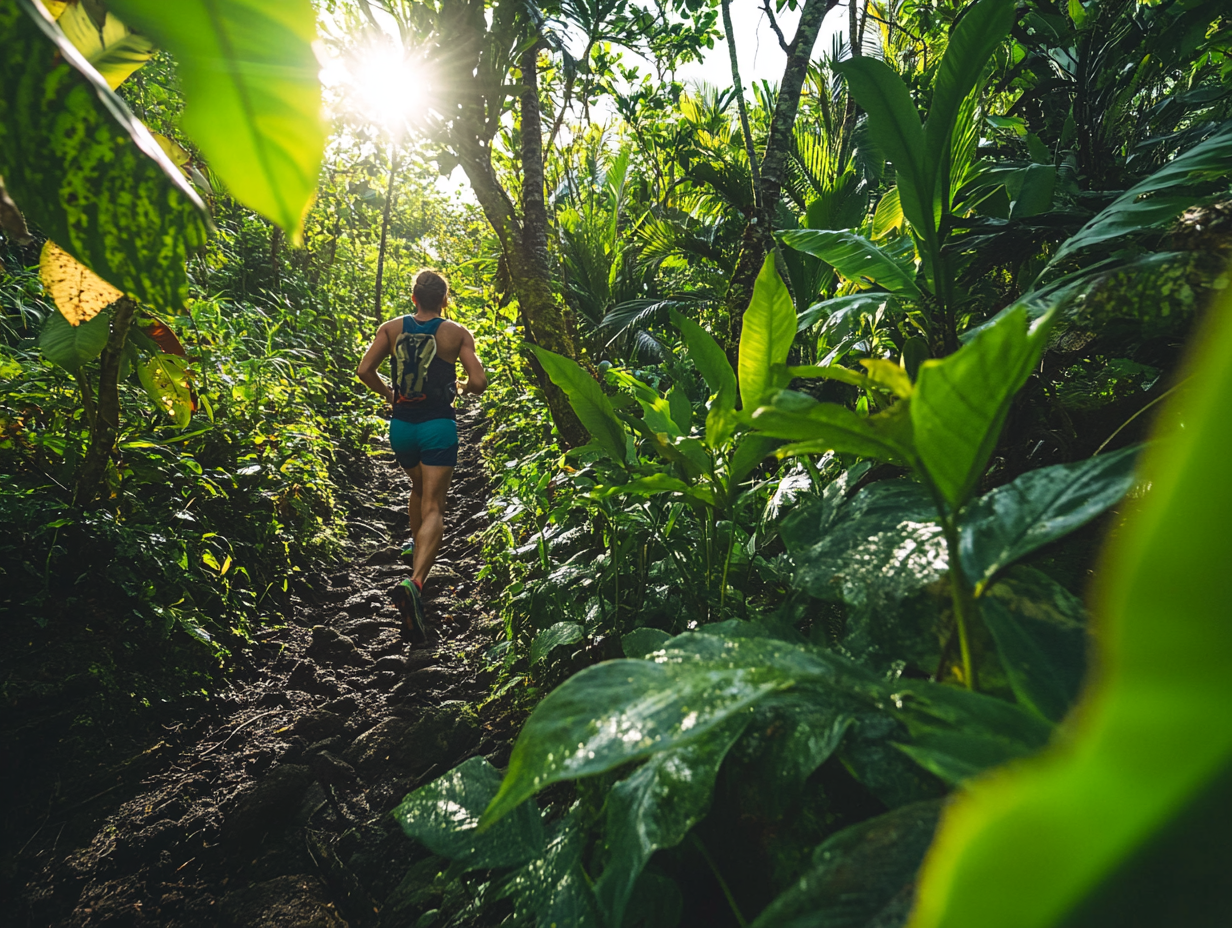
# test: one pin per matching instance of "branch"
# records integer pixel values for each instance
(774, 24)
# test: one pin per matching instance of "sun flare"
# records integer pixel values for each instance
(387, 88)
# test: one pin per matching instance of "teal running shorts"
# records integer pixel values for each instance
(434, 442)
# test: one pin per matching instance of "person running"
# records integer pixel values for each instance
(423, 349)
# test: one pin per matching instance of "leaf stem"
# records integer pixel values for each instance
(731, 900)
(964, 602)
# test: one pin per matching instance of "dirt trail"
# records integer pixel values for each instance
(275, 813)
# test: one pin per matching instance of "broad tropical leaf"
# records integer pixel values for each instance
(960, 402)
(820, 427)
(1040, 632)
(983, 26)
(894, 126)
(252, 96)
(654, 807)
(622, 711)
(444, 817)
(113, 49)
(167, 380)
(71, 346)
(78, 292)
(1040, 506)
(861, 877)
(765, 337)
(856, 258)
(1152, 739)
(85, 171)
(553, 637)
(587, 399)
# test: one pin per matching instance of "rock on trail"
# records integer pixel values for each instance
(275, 813)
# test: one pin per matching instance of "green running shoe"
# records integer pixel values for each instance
(409, 600)
(408, 553)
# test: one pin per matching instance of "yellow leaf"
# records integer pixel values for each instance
(226, 565)
(114, 50)
(210, 561)
(55, 7)
(173, 150)
(78, 292)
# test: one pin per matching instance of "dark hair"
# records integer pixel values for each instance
(430, 291)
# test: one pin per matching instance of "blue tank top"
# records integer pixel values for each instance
(424, 384)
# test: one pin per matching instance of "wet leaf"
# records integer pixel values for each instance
(78, 292)
(1037, 508)
(444, 816)
(1153, 736)
(549, 639)
(554, 889)
(862, 877)
(655, 807)
(1040, 632)
(621, 711)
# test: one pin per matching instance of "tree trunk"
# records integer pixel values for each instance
(107, 408)
(525, 244)
(738, 85)
(377, 311)
(758, 234)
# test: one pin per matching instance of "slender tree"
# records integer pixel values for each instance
(759, 232)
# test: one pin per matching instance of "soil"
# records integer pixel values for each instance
(273, 810)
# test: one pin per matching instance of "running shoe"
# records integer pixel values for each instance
(408, 553)
(409, 600)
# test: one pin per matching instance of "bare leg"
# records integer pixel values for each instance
(432, 518)
(414, 506)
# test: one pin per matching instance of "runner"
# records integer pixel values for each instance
(423, 350)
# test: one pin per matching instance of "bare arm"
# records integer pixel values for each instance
(376, 353)
(476, 377)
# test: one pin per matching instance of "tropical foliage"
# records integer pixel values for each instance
(812, 406)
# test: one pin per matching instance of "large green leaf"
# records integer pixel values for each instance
(1037, 508)
(983, 26)
(251, 91)
(553, 637)
(626, 710)
(894, 126)
(1040, 631)
(444, 816)
(877, 553)
(1157, 200)
(555, 890)
(765, 338)
(708, 357)
(71, 346)
(957, 734)
(856, 258)
(790, 735)
(861, 877)
(1153, 736)
(622, 711)
(819, 427)
(961, 401)
(655, 807)
(85, 171)
(586, 397)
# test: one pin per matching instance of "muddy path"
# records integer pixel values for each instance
(275, 811)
